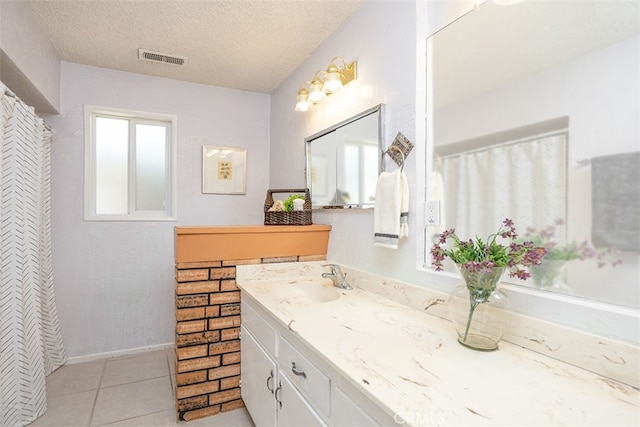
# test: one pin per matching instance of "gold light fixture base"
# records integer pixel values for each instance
(325, 83)
(349, 73)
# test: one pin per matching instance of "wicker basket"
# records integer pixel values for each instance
(302, 217)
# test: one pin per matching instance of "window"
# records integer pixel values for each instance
(129, 165)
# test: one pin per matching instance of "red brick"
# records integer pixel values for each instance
(224, 322)
(224, 396)
(191, 326)
(230, 309)
(230, 334)
(273, 260)
(230, 406)
(197, 389)
(224, 347)
(198, 287)
(192, 352)
(192, 403)
(224, 371)
(197, 364)
(242, 261)
(192, 275)
(307, 258)
(189, 313)
(198, 338)
(231, 358)
(198, 264)
(197, 300)
(228, 285)
(223, 273)
(224, 297)
(231, 382)
(201, 413)
(191, 378)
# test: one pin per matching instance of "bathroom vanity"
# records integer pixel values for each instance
(313, 354)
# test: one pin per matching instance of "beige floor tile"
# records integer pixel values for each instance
(238, 418)
(71, 410)
(158, 419)
(132, 400)
(74, 378)
(127, 391)
(171, 356)
(128, 369)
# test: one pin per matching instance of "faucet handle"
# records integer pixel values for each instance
(334, 267)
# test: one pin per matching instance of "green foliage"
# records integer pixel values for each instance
(475, 255)
(288, 204)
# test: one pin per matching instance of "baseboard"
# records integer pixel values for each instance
(118, 353)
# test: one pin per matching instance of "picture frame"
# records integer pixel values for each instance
(224, 170)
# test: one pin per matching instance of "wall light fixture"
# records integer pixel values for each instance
(325, 82)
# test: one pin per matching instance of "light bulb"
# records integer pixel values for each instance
(302, 100)
(315, 91)
(332, 79)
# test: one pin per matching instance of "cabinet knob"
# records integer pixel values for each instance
(296, 372)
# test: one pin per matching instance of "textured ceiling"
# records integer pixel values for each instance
(250, 45)
(495, 44)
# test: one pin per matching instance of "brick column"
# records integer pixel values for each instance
(207, 379)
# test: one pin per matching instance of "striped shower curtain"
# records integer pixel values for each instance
(522, 180)
(30, 341)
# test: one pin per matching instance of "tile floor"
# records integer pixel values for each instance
(129, 391)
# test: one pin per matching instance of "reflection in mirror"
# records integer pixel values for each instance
(534, 117)
(343, 162)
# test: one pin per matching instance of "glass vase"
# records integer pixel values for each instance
(477, 309)
(551, 275)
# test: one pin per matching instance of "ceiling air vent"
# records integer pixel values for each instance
(149, 55)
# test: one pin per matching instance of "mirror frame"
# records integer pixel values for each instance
(594, 317)
(379, 110)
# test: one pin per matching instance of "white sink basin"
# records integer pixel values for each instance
(307, 291)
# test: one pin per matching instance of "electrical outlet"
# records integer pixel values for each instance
(432, 212)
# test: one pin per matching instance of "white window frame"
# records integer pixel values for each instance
(170, 121)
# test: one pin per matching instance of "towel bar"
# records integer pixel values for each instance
(393, 147)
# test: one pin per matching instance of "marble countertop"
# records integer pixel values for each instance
(410, 364)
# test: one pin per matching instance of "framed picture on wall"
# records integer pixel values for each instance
(224, 170)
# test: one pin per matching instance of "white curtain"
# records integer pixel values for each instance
(523, 180)
(30, 340)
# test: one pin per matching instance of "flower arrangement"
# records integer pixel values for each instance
(481, 264)
(476, 255)
(572, 250)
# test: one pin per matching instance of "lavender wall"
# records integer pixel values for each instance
(115, 280)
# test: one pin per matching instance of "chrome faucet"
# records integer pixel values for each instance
(337, 276)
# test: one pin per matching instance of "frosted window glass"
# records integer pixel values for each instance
(350, 179)
(370, 175)
(111, 169)
(150, 167)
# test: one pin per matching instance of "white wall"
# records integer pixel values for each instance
(29, 64)
(388, 38)
(114, 281)
(381, 36)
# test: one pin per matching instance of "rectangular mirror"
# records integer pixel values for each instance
(343, 162)
(534, 117)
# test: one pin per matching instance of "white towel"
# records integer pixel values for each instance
(391, 209)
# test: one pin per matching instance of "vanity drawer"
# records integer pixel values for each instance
(307, 378)
(259, 327)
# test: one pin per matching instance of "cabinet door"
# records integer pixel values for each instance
(258, 381)
(348, 414)
(293, 409)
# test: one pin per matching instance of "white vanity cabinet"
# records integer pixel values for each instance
(283, 384)
(270, 397)
(258, 382)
